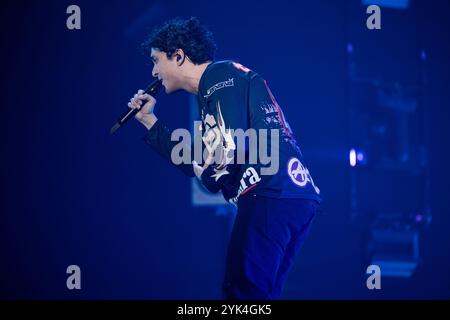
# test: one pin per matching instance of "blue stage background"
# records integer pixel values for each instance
(73, 194)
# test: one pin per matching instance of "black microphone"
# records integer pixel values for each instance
(152, 90)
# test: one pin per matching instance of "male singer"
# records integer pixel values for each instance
(274, 210)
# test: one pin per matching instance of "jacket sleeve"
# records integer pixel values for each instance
(159, 139)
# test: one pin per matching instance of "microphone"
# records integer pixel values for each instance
(152, 90)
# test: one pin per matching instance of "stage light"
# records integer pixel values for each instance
(360, 156)
(352, 157)
(357, 157)
(394, 4)
(396, 252)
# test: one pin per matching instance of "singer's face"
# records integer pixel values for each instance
(166, 70)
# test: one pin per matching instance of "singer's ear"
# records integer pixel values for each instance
(179, 56)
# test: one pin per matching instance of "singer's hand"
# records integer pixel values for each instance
(145, 115)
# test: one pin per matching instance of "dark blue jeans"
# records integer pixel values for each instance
(267, 235)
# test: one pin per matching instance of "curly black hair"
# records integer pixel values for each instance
(189, 35)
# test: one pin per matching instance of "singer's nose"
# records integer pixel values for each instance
(154, 72)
